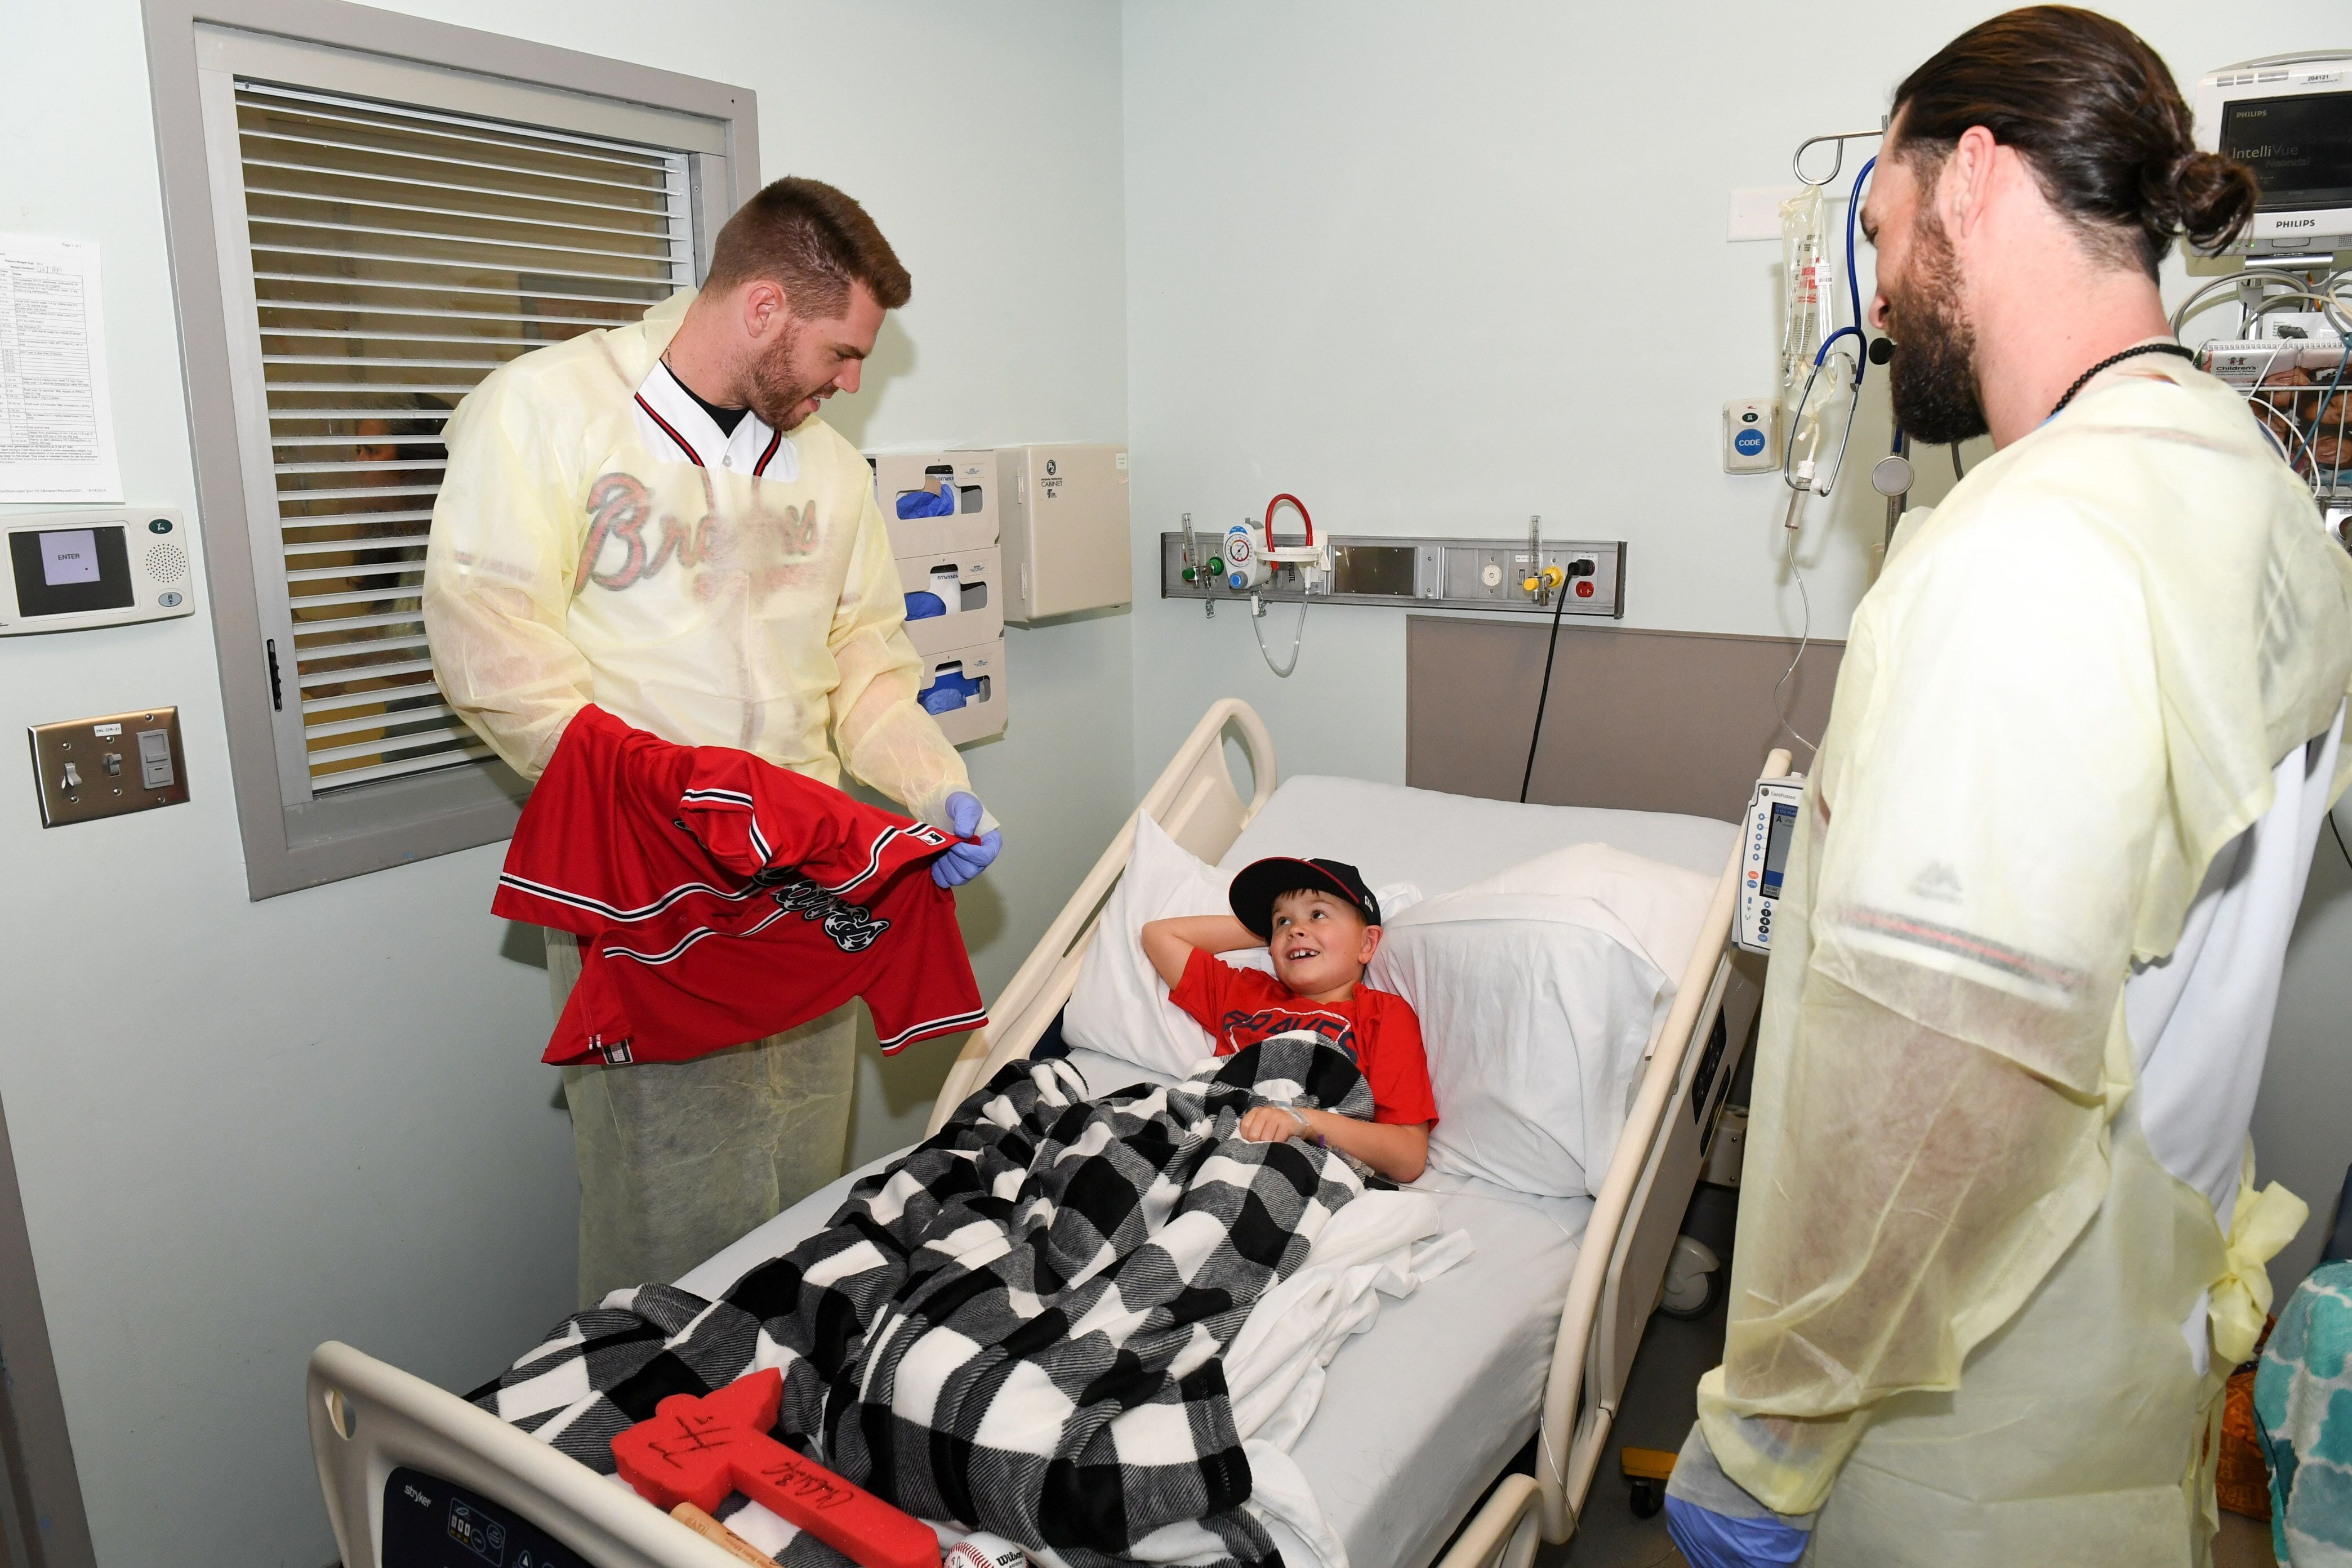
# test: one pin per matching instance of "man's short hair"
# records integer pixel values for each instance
(814, 241)
(2098, 119)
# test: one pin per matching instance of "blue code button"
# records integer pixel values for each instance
(1749, 443)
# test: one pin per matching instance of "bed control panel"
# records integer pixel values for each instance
(1770, 827)
(432, 1523)
(1583, 577)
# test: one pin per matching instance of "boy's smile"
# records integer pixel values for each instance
(1319, 945)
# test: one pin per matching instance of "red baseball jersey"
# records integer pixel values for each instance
(720, 899)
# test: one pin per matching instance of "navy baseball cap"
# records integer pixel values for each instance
(1257, 885)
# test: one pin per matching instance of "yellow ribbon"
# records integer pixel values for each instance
(2262, 1224)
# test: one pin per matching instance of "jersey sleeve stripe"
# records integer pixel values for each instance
(975, 1019)
(597, 906)
(873, 862)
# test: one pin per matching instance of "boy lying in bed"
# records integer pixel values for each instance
(1321, 925)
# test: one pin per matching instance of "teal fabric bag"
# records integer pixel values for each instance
(2303, 1414)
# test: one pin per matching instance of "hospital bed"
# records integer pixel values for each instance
(1423, 1413)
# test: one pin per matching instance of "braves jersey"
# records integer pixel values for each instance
(719, 899)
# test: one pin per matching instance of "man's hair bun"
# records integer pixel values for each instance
(2206, 196)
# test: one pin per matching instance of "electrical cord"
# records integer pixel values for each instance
(1543, 696)
(2339, 839)
(2273, 274)
(1958, 473)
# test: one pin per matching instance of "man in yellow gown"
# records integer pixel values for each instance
(1998, 1237)
(656, 519)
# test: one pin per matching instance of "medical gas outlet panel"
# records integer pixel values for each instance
(1419, 573)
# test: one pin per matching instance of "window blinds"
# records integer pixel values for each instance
(399, 255)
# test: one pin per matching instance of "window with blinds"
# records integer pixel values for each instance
(398, 255)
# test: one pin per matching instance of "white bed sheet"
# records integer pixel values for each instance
(1440, 842)
(1425, 1408)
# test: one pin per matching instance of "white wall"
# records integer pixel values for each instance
(242, 1128)
(1437, 268)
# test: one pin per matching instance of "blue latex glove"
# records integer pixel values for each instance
(1718, 1524)
(964, 861)
(1710, 1539)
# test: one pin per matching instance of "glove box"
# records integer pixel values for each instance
(952, 600)
(919, 482)
(964, 689)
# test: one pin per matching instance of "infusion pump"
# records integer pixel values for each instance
(1770, 827)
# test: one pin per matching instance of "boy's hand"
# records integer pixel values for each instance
(1271, 1124)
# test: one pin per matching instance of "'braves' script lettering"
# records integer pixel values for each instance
(620, 511)
(852, 928)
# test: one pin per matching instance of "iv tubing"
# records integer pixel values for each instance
(1805, 636)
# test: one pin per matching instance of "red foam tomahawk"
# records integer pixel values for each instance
(697, 1450)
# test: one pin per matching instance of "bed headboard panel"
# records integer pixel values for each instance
(1645, 720)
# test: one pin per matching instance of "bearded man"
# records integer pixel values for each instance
(653, 518)
(1999, 1239)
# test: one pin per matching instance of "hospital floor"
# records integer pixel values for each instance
(1660, 1402)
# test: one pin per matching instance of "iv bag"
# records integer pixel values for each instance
(1808, 296)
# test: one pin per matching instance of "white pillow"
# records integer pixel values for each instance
(1119, 1005)
(1538, 991)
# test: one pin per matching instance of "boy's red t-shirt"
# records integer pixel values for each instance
(1242, 1007)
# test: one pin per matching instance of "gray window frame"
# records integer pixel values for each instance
(371, 826)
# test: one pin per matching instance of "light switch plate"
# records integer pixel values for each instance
(89, 768)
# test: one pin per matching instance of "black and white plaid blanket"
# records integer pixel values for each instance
(1019, 1326)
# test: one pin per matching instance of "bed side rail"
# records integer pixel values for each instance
(1504, 1533)
(368, 1419)
(1566, 1455)
(1194, 798)
(1646, 1241)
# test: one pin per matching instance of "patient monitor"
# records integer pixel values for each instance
(1768, 831)
(2289, 119)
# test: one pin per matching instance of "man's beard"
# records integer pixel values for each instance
(1933, 377)
(776, 392)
